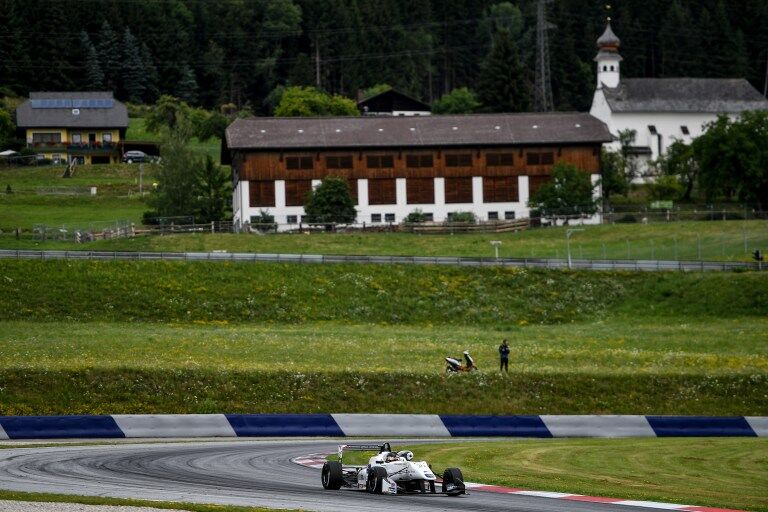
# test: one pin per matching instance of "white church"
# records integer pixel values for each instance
(662, 110)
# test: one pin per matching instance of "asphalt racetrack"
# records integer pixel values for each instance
(251, 473)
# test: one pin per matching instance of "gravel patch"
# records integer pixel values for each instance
(40, 506)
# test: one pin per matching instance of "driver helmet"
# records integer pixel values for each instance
(391, 457)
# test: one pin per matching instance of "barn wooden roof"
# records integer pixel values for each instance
(271, 133)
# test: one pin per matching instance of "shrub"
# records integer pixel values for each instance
(466, 217)
(415, 216)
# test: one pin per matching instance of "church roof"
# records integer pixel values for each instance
(710, 95)
(609, 38)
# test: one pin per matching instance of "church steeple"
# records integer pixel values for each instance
(608, 59)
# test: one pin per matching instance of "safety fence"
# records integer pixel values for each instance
(575, 264)
(347, 425)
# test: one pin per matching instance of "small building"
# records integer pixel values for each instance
(392, 103)
(85, 127)
(489, 164)
(662, 110)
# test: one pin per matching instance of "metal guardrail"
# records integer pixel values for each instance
(633, 265)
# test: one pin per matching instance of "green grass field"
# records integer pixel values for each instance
(109, 337)
(117, 197)
(716, 472)
(729, 240)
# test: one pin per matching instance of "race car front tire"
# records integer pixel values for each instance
(332, 475)
(376, 477)
(453, 482)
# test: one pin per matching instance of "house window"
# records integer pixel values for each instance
(546, 158)
(389, 217)
(262, 193)
(462, 160)
(685, 130)
(292, 219)
(375, 217)
(106, 137)
(297, 191)
(416, 161)
(652, 129)
(458, 190)
(420, 190)
(338, 162)
(500, 189)
(56, 158)
(77, 138)
(493, 215)
(380, 162)
(46, 138)
(382, 191)
(429, 217)
(509, 215)
(499, 159)
(293, 163)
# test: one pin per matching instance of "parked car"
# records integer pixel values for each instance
(135, 156)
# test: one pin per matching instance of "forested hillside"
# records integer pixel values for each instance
(239, 51)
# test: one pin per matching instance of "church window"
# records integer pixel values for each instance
(685, 130)
(652, 129)
(612, 68)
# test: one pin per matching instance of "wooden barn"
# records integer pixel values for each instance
(488, 163)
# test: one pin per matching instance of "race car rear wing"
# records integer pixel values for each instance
(378, 448)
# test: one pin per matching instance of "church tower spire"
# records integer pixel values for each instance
(608, 59)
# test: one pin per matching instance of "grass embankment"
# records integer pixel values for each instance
(717, 472)
(723, 240)
(661, 344)
(120, 502)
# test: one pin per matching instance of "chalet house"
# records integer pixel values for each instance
(488, 164)
(85, 127)
(392, 103)
(662, 110)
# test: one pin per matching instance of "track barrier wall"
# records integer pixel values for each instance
(375, 425)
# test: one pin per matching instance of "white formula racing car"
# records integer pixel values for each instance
(389, 472)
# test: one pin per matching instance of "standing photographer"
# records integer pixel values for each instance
(504, 356)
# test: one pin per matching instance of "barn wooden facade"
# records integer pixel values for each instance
(488, 164)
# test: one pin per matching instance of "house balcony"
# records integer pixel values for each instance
(78, 148)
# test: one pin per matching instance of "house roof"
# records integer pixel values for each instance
(392, 100)
(271, 133)
(71, 110)
(710, 95)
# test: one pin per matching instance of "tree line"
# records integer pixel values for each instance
(240, 51)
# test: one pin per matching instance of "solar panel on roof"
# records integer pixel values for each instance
(67, 103)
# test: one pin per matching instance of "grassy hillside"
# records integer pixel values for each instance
(400, 294)
(137, 130)
(143, 337)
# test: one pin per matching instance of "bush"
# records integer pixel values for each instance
(415, 216)
(466, 217)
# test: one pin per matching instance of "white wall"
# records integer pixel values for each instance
(439, 209)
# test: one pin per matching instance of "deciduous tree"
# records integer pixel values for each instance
(568, 194)
(330, 202)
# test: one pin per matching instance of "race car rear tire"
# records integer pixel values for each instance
(453, 482)
(332, 475)
(376, 477)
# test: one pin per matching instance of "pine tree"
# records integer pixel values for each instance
(94, 77)
(679, 43)
(186, 88)
(502, 85)
(730, 57)
(108, 50)
(132, 76)
(151, 87)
